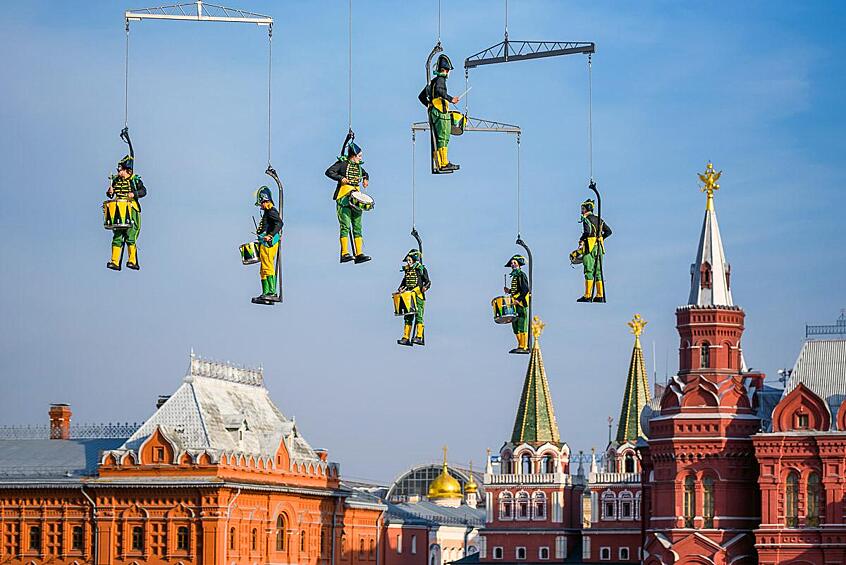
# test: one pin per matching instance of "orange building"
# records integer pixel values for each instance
(216, 475)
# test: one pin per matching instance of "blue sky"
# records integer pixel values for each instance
(755, 86)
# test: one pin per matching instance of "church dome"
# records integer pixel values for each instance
(470, 487)
(445, 486)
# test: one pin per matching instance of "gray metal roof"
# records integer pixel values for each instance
(427, 512)
(46, 459)
(821, 366)
(710, 250)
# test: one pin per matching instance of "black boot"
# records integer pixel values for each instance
(362, 258)
(261, 300)
(133, 266)
(584, 299)
(346, 258)
(451, 167)
(113, 266)
(404, 341)
(599, 299)
(519, 351)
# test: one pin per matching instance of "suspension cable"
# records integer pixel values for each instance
(350, 70)
(269, 89)
(466, 91)
(518, 186)
(590, 115)
(413, 177)
(439, 21)
(126, 81)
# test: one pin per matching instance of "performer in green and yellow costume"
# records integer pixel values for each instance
(436, 99)
(521, 293)
(350, 176)
(126, 185)
(592, 247)
(415, 279)
(269, 233)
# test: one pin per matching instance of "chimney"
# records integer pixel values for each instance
(60, 417)
(162, 399)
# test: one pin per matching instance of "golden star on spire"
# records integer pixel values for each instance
(637, 324)
(709, 179)
(537, 327)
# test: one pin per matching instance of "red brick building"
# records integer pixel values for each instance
(216, 475)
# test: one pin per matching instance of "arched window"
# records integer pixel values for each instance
(361, 548)
(548, 464)
(523, 505)
(705, 355)
(812, 515)
(609, 505)
(372, 554)
(302, 540)
(280, 533)
(626, 505)
(526, 464)
(729, 355)
(231, 538)
(689, 500)
(791, 500)
(539, 506)
(254, 539)
(506, 506)
(506, 467)
(708, 502)
(629, 463)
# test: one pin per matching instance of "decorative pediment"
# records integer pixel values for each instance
(158, 449)
(802, 410)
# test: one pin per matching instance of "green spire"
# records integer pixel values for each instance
(637, 390)
(535, 422)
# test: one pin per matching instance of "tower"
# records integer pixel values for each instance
(700, 474)
(533, 503)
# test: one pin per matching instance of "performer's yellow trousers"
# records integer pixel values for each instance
(267, 256)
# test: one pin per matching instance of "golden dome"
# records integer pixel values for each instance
(444, 485)
(470, 487)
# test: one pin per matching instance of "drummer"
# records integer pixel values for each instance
(521, 294)
(415, 279)
(269, 233)
(126, 185)
(350, 176)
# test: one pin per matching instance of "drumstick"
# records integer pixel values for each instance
(460, 96)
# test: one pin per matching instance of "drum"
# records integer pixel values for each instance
(576, 256)
(504, 310)
(361, 202)
(404, 303)
(116, 214)
(249, 253)
(459, 120)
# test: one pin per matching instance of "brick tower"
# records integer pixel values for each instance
(533, 503)
(699, 468)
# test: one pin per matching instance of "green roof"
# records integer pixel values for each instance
(634, 399)
(535, 422)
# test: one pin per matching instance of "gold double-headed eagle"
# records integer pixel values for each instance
(709, 184)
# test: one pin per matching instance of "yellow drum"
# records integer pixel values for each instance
(504, 310)
(249, 253)
(116, 214)
(404, 303)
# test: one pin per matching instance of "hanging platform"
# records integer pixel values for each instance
(508, 51)
(198, 11)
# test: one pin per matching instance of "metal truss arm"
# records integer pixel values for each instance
(507, 51)
(199, 12)
(475, 124)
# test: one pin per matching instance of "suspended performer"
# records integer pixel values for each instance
(592, 250)
(415, 279)
(521, 294)
(269, 233)
(126, 185)
(436, 99)
(351, 177)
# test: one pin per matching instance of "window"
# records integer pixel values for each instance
(729, 355)
(137, 538)
(182, 539)
(626, 506)
(585, 549)
(520, 553)
(506, 467)
(506, 506)
(35, 537)
(302, 540)
(548, 464)
(812, 514)
(414, 544)
(629, 463)
(372, 553)
(624, 554)
(526, 464)
(322, 541)
(522, 505)
(791, 500)
(609, 506)
(705, 355)
(280, 533)
(231, 538)
(399, 543)
(605, 554)
(76, 537)
(539, 504)
(543, 553)
(497, 552)
(689, 500)
(254, 539)
(802, 422)
(708, 502)
(158, 454)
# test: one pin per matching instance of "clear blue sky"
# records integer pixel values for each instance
(757, 87)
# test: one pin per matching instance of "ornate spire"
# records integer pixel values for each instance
(637, 389)
(535, 422)
(709, 275)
